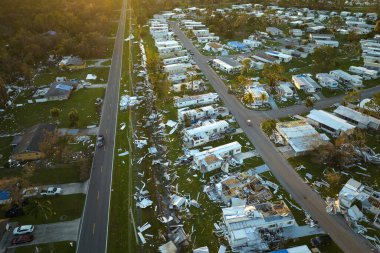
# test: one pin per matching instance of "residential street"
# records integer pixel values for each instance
(94, 226)
(335, 226)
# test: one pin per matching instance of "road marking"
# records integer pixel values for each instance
(106, 131)
(98, 195)
(101, 169)
(93, 229)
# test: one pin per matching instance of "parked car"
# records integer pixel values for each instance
(100, 141)
(249, 122)
(22, 239)
(22, 230)
(320, 241)
(51, 191)
(14, 211)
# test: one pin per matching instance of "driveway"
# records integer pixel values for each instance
(54, 232)
(72, 188)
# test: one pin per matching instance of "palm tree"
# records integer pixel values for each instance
(263, 97)
(248, 98)
(39, 208)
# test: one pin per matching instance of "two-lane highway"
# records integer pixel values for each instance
(93, 231)
(335, 226)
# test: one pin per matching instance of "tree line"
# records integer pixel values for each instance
(29, 33)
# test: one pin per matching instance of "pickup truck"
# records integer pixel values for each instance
(51, 191)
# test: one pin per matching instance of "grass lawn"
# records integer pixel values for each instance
(5, 149)
(65, 208)
(331, 93)
(56, 247)
(30, 114)
(331, 248)
(50, 74)
(60, 175)
(106, 63)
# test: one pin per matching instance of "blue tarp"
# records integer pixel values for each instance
(237, 45)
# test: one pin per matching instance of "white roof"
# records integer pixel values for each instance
(300, 135)
(355, 115)
(330, 120)
(208, 127)
(218, 150)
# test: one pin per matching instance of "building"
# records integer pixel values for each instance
(274, 31)
(367, 74)
(214, 158)
(260, 95)
(347, 79)
(60, 90)
(306, 83)
(204, 99)
(206, 39)
(371, 53)
(236, 45)
(315, 37)
(252, 43)
(246, 187)
(327, 81)
(227, 65)
(296, 32)
(281, 56)
(355, 191)
(284, 90)
(201, 135)
(301, 136)
(174, 60)
(356, 118)
(244, 223)
(72, 63)
(265, 58)
(213, 47)
(26, 147)
(329, 122)
(330, 43)
(204, 112)
(169, 49)
(194, 86)
(177, 68)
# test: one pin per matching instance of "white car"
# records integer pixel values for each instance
(51, 191)
(22, 230)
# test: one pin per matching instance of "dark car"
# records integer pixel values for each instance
(16, 210)
(22, 239)
(320, 241)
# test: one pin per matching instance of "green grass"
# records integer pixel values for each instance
(49, 75)
(331, 248)
(331, 93)
(60, 175)
(106, 63)
(56, 247)
(65, 208)
(31, 114)
(5, 149)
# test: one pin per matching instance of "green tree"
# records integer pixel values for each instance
(243, 82)
(309, 102)
(187, 120)
(377, 27)
(39, 208)
(248, 98)
(274, 73)
(3, 93)
(54, 112)
(246, 66)
(335, 23)
(268, 126)
(73, 117)
(374, 104)
(263, 97)
(351, 97)
(324, 58)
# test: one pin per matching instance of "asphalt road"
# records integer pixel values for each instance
(335, 226)
(93, 232)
